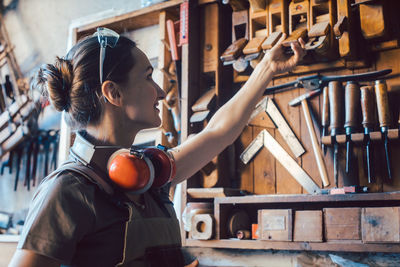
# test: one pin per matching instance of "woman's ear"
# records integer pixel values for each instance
(111, 92)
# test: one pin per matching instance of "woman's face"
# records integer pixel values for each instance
(141, 94)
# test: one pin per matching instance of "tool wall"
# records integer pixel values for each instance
(326, 133)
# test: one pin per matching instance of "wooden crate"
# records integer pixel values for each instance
(275, 225)
(342, 223)
(308, 226)
(380, 225)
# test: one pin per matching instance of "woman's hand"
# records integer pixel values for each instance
(280, 62)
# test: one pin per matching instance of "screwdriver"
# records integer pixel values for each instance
(382, 103)
(352, 110)
(325, 115)
(369, 120)
(335, 95)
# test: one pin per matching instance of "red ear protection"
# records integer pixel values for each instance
(137, 171)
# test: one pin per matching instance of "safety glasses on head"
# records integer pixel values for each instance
(106, 37)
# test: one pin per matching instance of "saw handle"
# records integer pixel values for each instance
(352, 104)
(367, 106)
(382, 103)
(335, 110)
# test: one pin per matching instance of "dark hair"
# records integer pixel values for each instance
(73, 84)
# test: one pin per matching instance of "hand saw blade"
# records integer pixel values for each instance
(253, 148)
(283, 128)
(290, 164)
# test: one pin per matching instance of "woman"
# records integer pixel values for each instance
(77, 222)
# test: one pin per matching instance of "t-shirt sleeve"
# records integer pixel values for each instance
(59, 217)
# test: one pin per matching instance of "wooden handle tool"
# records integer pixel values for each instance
(352, 109)
(325, 115)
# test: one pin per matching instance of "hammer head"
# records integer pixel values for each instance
(305, 96)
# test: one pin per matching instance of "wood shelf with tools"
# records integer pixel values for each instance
(278, 184)
(226, 208)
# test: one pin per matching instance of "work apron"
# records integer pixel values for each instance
(148, 241)
(153, 241)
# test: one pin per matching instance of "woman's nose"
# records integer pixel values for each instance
(160, 93)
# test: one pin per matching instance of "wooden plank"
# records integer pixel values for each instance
(342, 223)
(307, 198)
(380, 225)
(212, 192)
(210, 38)
(264, 169)
(245, 171)
(285, 184)
(348, 246)
(308, 226)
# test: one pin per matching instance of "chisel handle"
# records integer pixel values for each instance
(382, 103)
(367, 106)
(352, 104)
(325, 107)
(335, 106)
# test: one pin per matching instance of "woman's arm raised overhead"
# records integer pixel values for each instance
(228, 122)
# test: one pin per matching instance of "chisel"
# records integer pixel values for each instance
(382, 103)
(352, 109)
(369, 120)
(325, 115)
(336, 120)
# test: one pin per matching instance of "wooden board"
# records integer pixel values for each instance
(275, 225)
(264, 169)
(245, 171)
(380, 225)
(342, 223)
(210, 38)
(212, 192)
(308, 226)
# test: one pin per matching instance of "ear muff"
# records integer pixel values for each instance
(130, 172)
(164, 166)
(137, 171)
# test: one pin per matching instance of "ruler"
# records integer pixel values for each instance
(253, 148)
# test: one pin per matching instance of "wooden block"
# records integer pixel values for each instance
(234, 50)
(254, 45)
(212, 192)
(342, 223)
(205, 102)
(308, 226)
(319, 29)
(275, 225)
(271, 40)
(380, 225)
(202, 227)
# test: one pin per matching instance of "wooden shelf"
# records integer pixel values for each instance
(349, 246)
(308, 198)
(137, 19)
(223, 206)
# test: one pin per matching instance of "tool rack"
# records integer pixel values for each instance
(269, 184)
(210, 25)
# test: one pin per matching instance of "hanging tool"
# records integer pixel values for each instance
(352, 110)
(268, 105)
(336, 120)
(382, 103)
(369, 120)
(317, 152)
(175, 54)
(325, 115)
(316, 81)
(265, 139)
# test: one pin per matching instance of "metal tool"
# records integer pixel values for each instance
(369, 120)
(316, 81)
(384, 118)
(268, 105)
(283, 157)
(325, 115)
(316, 148)
(352, 110)
(336, 120)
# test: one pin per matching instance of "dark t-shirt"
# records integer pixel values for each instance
(73, 221)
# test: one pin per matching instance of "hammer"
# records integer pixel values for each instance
(316, 148)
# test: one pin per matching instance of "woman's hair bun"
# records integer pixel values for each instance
(57, 81)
